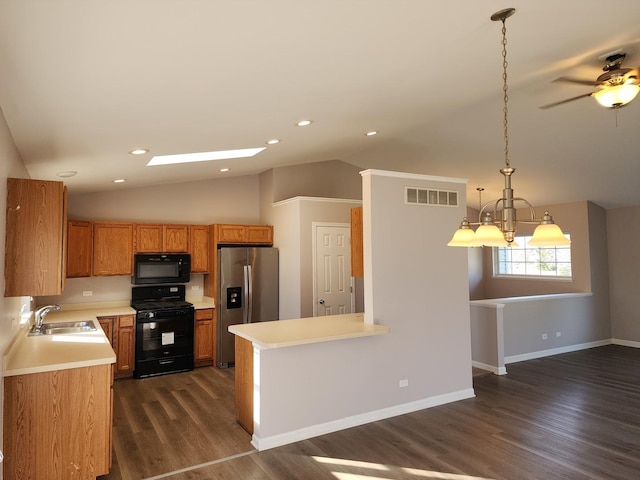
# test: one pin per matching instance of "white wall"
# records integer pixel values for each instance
(11, 166)
(414, 284)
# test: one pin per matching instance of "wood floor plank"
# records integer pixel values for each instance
(567, 417)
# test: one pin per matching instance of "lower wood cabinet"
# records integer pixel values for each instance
(57, 425)
(204, 337)
(121, 332)
(244, 383)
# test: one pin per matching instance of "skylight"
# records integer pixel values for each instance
(203, 156)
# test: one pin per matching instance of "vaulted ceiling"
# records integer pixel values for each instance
(83, 82)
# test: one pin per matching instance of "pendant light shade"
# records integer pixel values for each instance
(490, 236)
(548, 234)
(464, 236)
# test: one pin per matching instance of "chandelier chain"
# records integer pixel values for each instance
(505, 89)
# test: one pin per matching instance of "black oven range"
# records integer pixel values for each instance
(164, 330)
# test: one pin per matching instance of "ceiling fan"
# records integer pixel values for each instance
(616, 87)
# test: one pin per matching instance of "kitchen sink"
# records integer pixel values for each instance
(59, 328)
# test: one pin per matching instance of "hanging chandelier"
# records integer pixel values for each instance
(498, 228)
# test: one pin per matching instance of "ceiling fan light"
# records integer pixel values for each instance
(617, 95)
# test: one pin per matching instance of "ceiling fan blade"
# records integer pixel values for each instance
(577, 81)
(544, 107)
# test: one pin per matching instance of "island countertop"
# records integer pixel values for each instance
(301, 331)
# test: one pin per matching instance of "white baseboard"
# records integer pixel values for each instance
(625, 343)
(555, 351)
(492, 368)
(353, 421)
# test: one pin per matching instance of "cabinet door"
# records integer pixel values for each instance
(357, 260)
(199, 248)
(35, 235)
(107, 325)
(203, 343)
(79, 248)
(176, 238)
(148, 238)
(260, 234)
(231, 233)
(125, 347)
(112, 248)
(57, 425)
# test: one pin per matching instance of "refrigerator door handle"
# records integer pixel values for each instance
(245, 293)
(250, 293)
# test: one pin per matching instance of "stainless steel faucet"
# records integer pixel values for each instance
(40, 314)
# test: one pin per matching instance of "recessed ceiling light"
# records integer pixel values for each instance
(371, 133)
(304, 123)
(273, 141)
(224, 170)
(139, 151)
(203, 156)
(67, 174)
(120, 180)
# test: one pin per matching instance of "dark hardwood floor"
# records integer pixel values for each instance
(571, 416)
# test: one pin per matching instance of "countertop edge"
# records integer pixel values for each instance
(308, 341)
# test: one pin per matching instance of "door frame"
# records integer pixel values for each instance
(314, 234)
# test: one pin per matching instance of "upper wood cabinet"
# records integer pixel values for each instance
(112, 248)
(225, 234)
(260, 234)
(357, 260)
(175, 238)
(148, 238)
(158, 238)
(79, 248)
(35, 248)
(199, 248)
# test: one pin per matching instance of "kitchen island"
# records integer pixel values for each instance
(253, 338)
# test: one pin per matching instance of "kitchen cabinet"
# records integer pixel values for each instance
(199, 248)
(357, 252)
(259, 234)
(58, 424)
(204, 341)
(107, 324)
(175, 238)
(244, 383)
(120, 330)
(159, 238)
(35, 247)
(148, 238)
(79, 248)
(225, 234)
(112, 248)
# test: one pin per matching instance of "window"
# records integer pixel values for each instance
(526, 261)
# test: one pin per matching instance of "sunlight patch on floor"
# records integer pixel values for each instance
(419, 473)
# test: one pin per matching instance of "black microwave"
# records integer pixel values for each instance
(151, 268)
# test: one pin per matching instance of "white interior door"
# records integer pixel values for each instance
(332, 270)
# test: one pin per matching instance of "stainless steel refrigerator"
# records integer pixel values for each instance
(247, 293)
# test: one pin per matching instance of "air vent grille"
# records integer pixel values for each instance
(428, 196)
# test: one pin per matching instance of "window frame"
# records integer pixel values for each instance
(522, 242)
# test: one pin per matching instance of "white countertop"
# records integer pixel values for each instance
(46, 353)
(301, 331)
(72, 350)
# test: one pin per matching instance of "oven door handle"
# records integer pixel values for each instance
(248, 294)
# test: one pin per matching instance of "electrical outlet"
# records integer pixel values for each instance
(195, 287)
(87, 293)
(403, 383)
(558, 334)
(544, 336)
